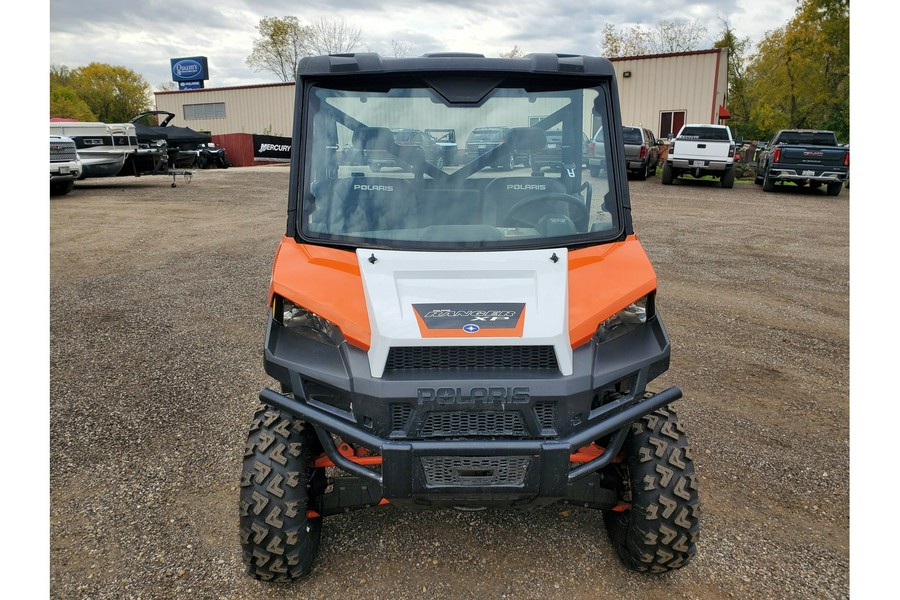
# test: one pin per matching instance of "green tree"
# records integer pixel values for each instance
(282, 42)
(739, 101)
(280, 46)
(113, 94)
(801, 72)
(65, 103)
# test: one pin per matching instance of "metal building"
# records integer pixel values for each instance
(660, 92)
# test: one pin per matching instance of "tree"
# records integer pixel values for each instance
(282, 42)
(801, 72)
(98, 91)
(516, 52)
(65, 103)
(330, 36)
(739, 101)
(399, 49)
(667, 36)
(281, 45)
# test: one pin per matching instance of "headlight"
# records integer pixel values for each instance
(305, 322)
(625, 320)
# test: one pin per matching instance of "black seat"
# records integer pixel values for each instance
(361, 204)
(503, 193)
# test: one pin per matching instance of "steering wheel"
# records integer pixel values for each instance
(581, 218)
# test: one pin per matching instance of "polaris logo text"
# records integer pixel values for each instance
(274, 148)
(476, 395)
(373, 188)
(474, 315)
(526, 186)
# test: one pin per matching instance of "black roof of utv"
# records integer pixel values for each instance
(367, 62)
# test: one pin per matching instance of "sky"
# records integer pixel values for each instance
(144, 36)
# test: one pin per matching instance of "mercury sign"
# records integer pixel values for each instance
(189, 69)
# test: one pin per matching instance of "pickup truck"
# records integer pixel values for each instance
(700, 150)
(804, 156)
(65, 167)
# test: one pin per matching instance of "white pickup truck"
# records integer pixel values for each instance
(699, 150)
(65, 167)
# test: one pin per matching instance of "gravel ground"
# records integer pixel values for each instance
(156, 333)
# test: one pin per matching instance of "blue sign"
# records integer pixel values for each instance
(190, 69)
(190, 85)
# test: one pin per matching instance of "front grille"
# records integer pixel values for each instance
(471, 358)
(437, 424)
(475, 471)
(62, 151)
(400, 414)
(546, 415)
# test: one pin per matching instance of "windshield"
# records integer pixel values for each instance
(374, 177)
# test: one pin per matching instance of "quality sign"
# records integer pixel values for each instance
(192, 68)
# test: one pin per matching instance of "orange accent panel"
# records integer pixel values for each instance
(484, 332)
(326, 281)
(602, 281)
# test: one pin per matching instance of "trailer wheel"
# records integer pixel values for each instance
(658, 530)
(667, 175)
(280, 542)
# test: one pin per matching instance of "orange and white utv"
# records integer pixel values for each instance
(478, 335)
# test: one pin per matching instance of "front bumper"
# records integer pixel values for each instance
(473, 438)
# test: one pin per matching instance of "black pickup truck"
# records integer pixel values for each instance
(804, 156)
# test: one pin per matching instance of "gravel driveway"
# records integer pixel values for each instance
(157, 322)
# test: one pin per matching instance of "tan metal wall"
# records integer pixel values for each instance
(695, 82)
(261, 109)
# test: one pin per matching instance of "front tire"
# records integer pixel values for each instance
(658, 530)
(280, 542)
(61, 188)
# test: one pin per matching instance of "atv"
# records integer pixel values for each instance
(451, 337)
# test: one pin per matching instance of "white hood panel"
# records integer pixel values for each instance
(397, 280)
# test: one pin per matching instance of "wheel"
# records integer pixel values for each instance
(768, 183)
(439, 161)
(514, 219)
(667, 175)
(61, 188)
(509, 164)
(728, 178)
(757, 178)
(658, 530)
(834, 188)
(279, 541)
(642, 174)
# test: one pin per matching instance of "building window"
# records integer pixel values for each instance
(670, 121)
(194, 112)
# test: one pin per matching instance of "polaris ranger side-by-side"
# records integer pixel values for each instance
(457, 336)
